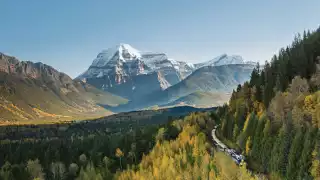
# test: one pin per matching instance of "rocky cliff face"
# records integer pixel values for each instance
(49, 76)
(130, 87)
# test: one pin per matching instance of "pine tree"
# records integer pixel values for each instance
(35, 170)
(236, 132)
(280, 151)
(305, 159)
(315, 167)
(277, 88)
(258, 139)
(58, 170)
(267, 142)
(6, 171)
(294, 155)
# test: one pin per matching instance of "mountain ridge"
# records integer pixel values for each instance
(123, 69)
(33, 91)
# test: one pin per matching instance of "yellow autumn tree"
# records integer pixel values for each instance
(119, 154)
(315, 167)
(186, 157)
(248, 145)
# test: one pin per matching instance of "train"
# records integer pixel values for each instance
(238, 158)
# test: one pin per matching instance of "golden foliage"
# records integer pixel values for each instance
(246, 123)
(13, 110)
(248, 145)
(315, 168)
(41, 113)
(184, 158)
(119, 153)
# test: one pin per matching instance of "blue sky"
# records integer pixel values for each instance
(69, 34)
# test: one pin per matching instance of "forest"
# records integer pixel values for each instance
(273, 119)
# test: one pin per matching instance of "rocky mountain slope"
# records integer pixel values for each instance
(218, 80)
(127, 72)
(224, 59)
(147, 78)
(34, 91)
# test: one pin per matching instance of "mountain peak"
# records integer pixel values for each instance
(120, 52)
(224, 59)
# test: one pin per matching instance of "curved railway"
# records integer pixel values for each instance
(237, 157)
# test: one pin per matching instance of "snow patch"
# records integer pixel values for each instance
(100, 74)
(123, 52)
(224, 59)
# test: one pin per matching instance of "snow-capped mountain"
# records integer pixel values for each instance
(130, 73)
(133, 61)
(224, 59)
(124, 65)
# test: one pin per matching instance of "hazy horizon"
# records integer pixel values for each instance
(69, 35)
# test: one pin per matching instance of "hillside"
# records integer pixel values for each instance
(217, 79)
(201, 99)
(274, 119)
(212, 79)
(135, 75)
(37, 92)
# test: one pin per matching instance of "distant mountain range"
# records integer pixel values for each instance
(119, 79)
(224, 59)
(214, 82)
(127, 72)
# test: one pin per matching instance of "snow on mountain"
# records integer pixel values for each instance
(126, 60)
(223, 59)
(121, 52)
(155, 61)
(251, 62)
(128, 72)
(124, 53)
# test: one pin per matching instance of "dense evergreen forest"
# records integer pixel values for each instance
(62, 158)
(275, 118)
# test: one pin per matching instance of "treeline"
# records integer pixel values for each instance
(275, 118)
(298, 59)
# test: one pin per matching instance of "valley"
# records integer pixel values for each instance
(120, 79)
(159, 90)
